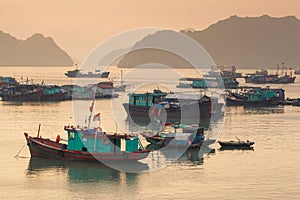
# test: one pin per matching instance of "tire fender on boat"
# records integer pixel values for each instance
(33, 144)
(126, 155)
(105, 141)
(61, 153)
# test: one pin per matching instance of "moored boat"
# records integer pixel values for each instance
(296, 102)
(79, 74)
(297, 71)
(184, 136)
(88, 144)
(264, 77)
(175, 107)
(21, 93)
(52, 93)
(255, 96)
(236, 144)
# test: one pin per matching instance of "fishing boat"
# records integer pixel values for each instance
(141, 105)
(79, 74)
(297, 71)
(236, 144)
(183, 136)
(88, 144)
(208, 82)
(264, 77)
(255, 96)
(21, 93)
(52, 93)
(296, 102)
(103, 89)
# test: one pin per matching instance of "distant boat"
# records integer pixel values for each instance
(52, 93)
(140, 106)
(255, 97)
(264, 78)
(188, 137)
(78, 73)
(208, 82)
(88, 144)
(21, 93)
(297, 71)
(296, 102)
(236, 144)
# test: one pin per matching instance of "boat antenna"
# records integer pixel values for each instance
(38, 135)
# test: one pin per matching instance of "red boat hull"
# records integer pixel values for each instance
(46, 148)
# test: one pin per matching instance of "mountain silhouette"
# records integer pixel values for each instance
(36, 50)
(245, 42)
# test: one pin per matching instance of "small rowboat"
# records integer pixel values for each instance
(236, 144)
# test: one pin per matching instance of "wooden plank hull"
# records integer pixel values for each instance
(30, 96)
(235, 144)
(141, 113)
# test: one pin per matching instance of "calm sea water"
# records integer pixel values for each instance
(270, 171)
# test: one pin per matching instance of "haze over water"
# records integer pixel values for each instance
(270, 171)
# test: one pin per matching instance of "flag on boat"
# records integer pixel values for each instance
(92, 107)
(96, 117)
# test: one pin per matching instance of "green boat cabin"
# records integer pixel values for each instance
(94, 140)
(147, 99)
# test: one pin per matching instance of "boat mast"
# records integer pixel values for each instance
(38, 135)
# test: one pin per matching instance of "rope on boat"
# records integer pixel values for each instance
(17, 155)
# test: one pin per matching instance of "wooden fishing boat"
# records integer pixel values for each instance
(142, 106)
(235, 144)
(21, 93)
(88, 144)
(77, 73)
(255, 97)
(182, 136)
(297, 71)
(264, 78)
(52, 93)
(296, 102)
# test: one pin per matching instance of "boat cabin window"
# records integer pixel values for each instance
(71, 135)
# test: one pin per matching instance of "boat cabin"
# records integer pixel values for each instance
(95, 140)
(147, 99)
(208, 82)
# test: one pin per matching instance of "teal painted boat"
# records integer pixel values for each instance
(88, 144)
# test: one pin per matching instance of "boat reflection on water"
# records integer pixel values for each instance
(264, 110)
(79, 171)
(182, 156)
(143, 122)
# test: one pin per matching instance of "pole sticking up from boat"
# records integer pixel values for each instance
(91, 112)
(121, 77)
(38, 135)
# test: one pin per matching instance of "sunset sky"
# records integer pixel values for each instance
(78, 26)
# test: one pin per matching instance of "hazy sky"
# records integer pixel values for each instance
(78, 26)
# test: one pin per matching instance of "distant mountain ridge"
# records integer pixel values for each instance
(36, 50)
(245, 42)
